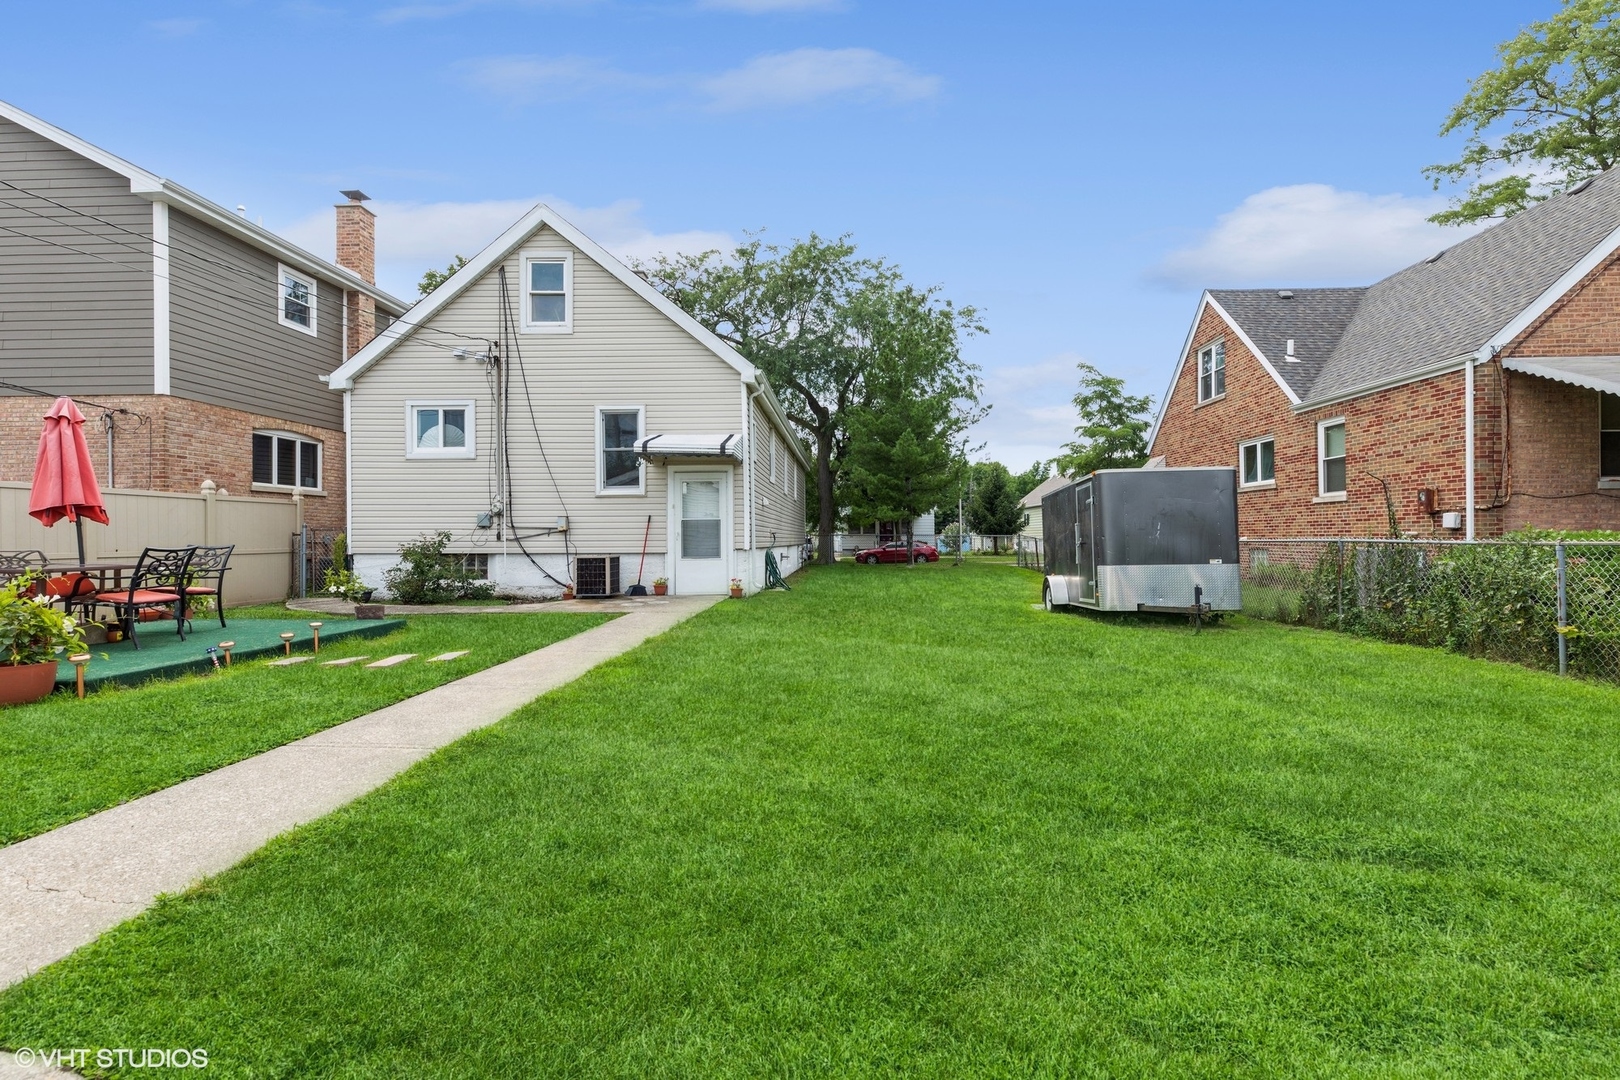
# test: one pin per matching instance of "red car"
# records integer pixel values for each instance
(896, 552)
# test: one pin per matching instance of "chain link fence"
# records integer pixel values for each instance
(1030, 555)
(1553, 605)
(311, 559)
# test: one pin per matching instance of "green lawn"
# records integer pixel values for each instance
(64, 758)
(896, 822)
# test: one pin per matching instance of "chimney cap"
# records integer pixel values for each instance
(355, 195)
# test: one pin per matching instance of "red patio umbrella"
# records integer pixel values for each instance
(64, 481)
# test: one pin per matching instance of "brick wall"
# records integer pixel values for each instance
(174, 445)
(357, 250)
(1586, 322)
(1553, 450)
(1411, 436)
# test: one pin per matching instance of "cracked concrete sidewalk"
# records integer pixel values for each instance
(62, 889)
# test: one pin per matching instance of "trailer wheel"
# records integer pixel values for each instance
(1046, 595)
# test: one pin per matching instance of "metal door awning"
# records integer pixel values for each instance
(1593, 372)
(665, 447)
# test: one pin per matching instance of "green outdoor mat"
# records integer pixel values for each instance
(163, 655)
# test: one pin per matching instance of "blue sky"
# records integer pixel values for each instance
(1076, 171)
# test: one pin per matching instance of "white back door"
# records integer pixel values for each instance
(700, 520)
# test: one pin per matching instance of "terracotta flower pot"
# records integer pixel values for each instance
(736, 594)
(660, 590)
(20, 684)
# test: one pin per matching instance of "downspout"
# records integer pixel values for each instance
(348, 474)
(748, 478)
(1468, 445)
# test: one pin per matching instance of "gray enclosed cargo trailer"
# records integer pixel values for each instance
(1143, 539)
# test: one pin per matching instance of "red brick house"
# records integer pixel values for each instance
(1479, 387)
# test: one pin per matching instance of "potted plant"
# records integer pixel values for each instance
(660, 586)
(736, 588)
(32, 635)
(568, 591)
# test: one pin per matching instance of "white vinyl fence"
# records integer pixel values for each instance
(262, 530)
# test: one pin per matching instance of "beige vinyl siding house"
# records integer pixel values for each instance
(610, 360)
(1031, 504)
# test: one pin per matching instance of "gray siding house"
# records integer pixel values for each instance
(202, 339)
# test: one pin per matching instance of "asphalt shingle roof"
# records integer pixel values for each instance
(1314, 318)
(1432, 311)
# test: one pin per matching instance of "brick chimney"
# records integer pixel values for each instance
(357, 251)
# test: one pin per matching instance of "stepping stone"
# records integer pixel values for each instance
(289, 661)
(447, 656)
(390, 661)
(346, 661)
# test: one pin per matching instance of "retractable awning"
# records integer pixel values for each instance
(1593, 372)
(665, 447)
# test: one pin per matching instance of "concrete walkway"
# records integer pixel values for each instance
(64, 888)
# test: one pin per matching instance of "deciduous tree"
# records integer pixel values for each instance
(1112, 433)
(798, 315)
(1547, 115)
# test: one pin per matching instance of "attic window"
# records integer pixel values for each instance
(1212, 371)
(548, 288)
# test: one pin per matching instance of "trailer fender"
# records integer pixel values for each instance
(1056, 591)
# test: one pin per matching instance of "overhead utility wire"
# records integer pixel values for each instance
(508, 321)
(258, 280)
(248, 273)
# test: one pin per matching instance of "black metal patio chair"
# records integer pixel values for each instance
(17, 563)
(158, 581)
(210, 563)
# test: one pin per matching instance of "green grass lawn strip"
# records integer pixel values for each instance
(63, 758)
(898, 823)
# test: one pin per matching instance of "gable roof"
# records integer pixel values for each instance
(1045, 488)
(501, 249)
(1469, 298)
(150, 186)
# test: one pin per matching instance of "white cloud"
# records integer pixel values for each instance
(806, 75)
(1033, 415)
(411, 237)
(524, 79)
(766, 7)
(416, 12)
(1312, 234)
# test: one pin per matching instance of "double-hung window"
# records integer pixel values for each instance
(1212, 371)
(440, 429)
(296, 295)
(618, 470)
(1330, 472)
(284, 460)
(1609, 437)
(548, 292)
(1259, 461)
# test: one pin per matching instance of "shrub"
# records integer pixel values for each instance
(31, 630)
(427, 574)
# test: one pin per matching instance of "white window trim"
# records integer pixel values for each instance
(1322, 494)
(1604, 482)
(1244, 445)
(641, 464)
(283, 272)
(453, 453)
(566, 257)
(320, 463)
(1198, 364)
